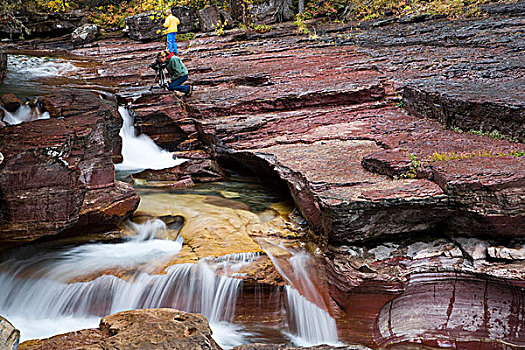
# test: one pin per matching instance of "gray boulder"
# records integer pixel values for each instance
(189, 19)
(211, 17)
(85, 33)
(145, 26)
(267, 11)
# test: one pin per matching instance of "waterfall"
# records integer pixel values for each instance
(312, 325)
(308, 321)
(70, 289)
(140, 152)
(24, 113)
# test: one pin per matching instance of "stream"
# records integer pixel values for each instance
(238, 253)
(191, 250)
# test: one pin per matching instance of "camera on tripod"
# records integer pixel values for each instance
(160, 76)
(158, 65)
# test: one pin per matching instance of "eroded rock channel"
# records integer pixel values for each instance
(401, 146)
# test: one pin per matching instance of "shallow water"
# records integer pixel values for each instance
(26, 75)
(72, 286)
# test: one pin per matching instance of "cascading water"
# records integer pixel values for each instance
(25, 72)
(24, 113)
(140, 152)
(309, 322)
(55, 292)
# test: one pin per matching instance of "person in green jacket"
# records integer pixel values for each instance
(178, 73)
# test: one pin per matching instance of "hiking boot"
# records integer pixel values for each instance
(190, 91)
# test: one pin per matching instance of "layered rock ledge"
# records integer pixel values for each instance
(57, 175)
(399, 143)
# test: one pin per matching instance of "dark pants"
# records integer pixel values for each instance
(177, 84)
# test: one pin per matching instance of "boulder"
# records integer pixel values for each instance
(189, 19)
(212, 17)
(134, 330)
(9, 335)
(10, 102)
(84, 34)
(267, 11)
(145, 26)
(41, 25)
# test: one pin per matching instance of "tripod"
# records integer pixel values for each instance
(160, 76)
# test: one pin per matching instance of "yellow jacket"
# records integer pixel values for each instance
(171, 24)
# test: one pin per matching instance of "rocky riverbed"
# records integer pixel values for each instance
(401, 145)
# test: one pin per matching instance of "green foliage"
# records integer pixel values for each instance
(219, 27)
(186, 36)
(300, 22)
(443, 156)
(112, 16)
(412, 170)
(262, 28)
(373, 9)
(7, 17)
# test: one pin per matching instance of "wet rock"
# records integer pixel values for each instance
(465, 308)
(504, 9)
(433, 266)
(84, 34)
(10, 102)
(199, 170)
(226, 231)
(421, 250)
(9, 335)
(323, 118)
(470, 106)
(59, 171)
(161, 117)
(145, 26)
(103, 209)
(341, 163)
(137, 329)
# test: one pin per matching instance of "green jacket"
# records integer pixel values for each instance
(176, 68)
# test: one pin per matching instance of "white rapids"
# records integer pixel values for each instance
(140, 152)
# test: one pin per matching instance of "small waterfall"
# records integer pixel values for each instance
(140, 152)
(312, 325)
(24, 113)
(71, 289)
(309, 322)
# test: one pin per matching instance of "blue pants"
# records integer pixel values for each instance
(172, 42)
(177, 84)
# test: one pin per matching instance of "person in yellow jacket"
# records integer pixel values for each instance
(171, 24)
